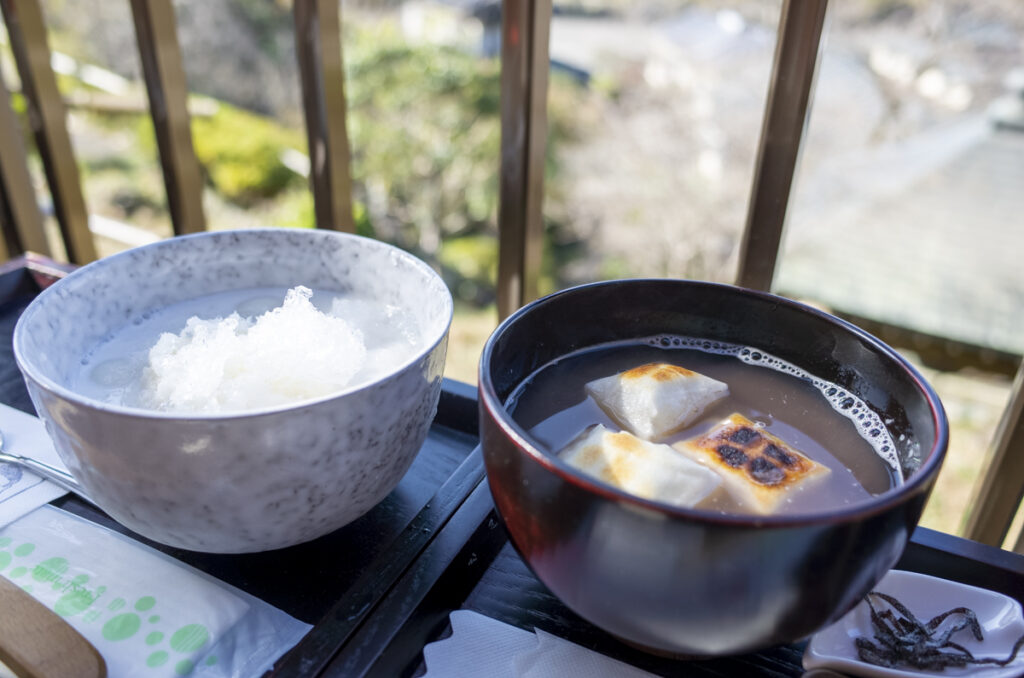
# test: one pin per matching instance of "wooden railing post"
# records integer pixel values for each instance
(21, 222)
(8, 244)
(785, 119)
(156, 32)
(999, 492)
(318, 49)
(47, 117)
(524, 95)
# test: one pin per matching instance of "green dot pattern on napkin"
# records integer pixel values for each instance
(189, 638)
(50, 570)
(20, 552)
(122, 626)
(76, 600)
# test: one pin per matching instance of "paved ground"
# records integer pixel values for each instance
(925, 234)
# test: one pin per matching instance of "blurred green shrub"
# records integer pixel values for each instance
(241, 154)
(424, 128)
(470, 267)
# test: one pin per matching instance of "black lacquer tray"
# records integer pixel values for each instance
(381, 588)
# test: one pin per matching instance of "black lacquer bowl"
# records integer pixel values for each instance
(687, 581)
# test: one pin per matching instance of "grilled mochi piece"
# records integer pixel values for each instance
(656, 399)
(644, 469)
(757, 469)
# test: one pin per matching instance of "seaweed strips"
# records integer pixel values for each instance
(905, 641)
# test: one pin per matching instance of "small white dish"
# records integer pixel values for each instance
(1000, 617)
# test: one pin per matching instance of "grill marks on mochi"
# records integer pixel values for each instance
(657, 399)
(757, 469)
(648, 470)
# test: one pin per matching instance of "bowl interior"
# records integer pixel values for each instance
(823, 345)
(71, 318)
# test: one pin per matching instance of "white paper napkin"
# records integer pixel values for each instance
(22, 491)
(478, 645)
(554, 656)
(483, 647)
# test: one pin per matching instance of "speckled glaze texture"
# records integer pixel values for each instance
(247, 482)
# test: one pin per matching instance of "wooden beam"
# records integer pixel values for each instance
(318, 50)
(789, 94)
(156, 32)
(998, 495)
(20, 219)
(526, 26)
(8, 244)
(47, 118)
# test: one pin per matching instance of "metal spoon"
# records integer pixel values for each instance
(62, 479)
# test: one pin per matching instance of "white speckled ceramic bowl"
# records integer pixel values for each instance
(235, 483)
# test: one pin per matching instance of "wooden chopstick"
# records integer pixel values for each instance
(36, 643)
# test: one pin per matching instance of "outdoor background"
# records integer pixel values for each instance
(906, 210)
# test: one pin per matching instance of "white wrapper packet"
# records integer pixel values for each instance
(147, 614)
(22, 491)
(481, 646)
